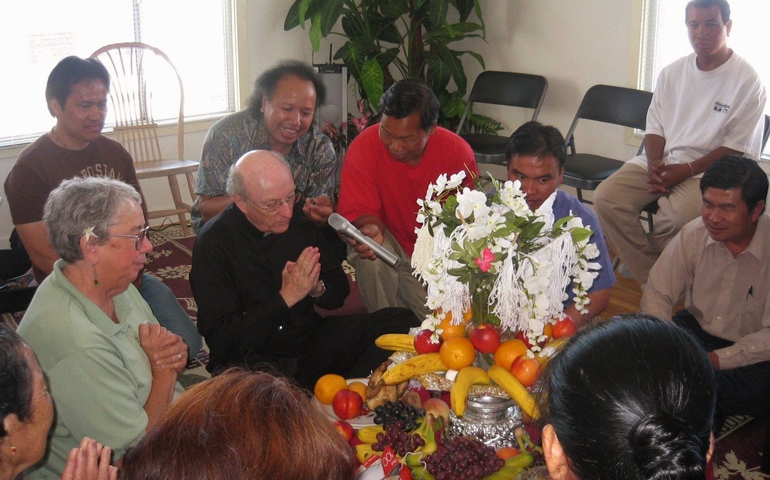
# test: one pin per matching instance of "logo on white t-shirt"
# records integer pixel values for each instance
(721, 107)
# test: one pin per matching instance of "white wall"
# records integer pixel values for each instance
(573, 44)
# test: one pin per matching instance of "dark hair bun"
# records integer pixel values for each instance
(666, 447)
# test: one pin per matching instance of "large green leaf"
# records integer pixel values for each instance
(464, 8)
(297, 14)
(453, 64)
(372, 79)
(438, 73)
(394, 8)
(315, 32)
(384, 29)
(438, 10)
(330, 13)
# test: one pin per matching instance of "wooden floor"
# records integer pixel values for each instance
(624, 297)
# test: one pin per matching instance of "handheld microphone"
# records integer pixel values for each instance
(342, 225)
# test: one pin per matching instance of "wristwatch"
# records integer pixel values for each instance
(323, 285)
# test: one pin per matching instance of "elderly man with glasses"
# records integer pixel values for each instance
(260, 268)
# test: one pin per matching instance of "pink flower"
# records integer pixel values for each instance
(485, 262)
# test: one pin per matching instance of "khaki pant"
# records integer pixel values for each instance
(618, 202)
(382, 286)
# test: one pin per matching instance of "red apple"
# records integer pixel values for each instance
(345, 429)
(526, 370)
(424, 343)
(438, 408)
(485, 338)
(347, 404)
(566, 327)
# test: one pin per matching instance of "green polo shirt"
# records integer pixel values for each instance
(97, 372)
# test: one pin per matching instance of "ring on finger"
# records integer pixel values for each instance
(179, 355)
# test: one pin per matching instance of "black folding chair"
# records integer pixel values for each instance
(501, 88)
(607, 104)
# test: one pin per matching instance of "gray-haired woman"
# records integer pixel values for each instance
(112, 368)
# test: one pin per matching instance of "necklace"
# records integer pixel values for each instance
(56, 140)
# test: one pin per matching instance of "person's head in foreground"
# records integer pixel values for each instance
(408, 115)
(96, 225)
(242, 425)
(536, 155)
(734, 190)
(26, 410)
(631, 398)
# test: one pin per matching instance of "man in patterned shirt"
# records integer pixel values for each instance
(279, 117)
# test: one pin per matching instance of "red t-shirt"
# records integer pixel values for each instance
(373, 183)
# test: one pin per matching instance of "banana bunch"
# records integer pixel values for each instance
(515, 389)
(513, 466)
(413, 367)
(427, 430)
(465, 378)
(369, 434)
(396, 342)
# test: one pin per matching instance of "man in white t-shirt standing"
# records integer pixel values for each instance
(706, 105)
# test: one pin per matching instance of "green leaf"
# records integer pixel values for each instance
(438, 73)
(315, 32)
(580, 234)
(464, 8)
(330, 13)
(438, 11)
(292, 16)
(372, 79)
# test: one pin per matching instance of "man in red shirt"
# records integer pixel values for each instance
(388, 167)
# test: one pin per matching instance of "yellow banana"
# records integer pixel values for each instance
(414, 367)
(369, 434)
(465, 378)
(397, 342)
(364, 451)
(515, 389)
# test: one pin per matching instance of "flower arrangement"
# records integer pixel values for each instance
(344, 134)
(489, 252)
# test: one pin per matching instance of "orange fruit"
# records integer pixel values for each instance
(449, 330)
(327, 387)
(457, 353)
(507, 352)
(548, 330)
(359, 388)
(467, 315)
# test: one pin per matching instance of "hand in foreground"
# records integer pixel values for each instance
(90, 461)
(664, 177)
(318, 209)
(301, 277)
(372, 231)
(166, 351)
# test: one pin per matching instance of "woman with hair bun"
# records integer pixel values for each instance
(632, 398)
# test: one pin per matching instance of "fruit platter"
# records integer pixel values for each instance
(452, 402)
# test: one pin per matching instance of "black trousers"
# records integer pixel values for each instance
(341, 344)
(740, 391)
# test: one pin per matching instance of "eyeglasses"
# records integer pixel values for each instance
(139, 237)
(274, 205)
